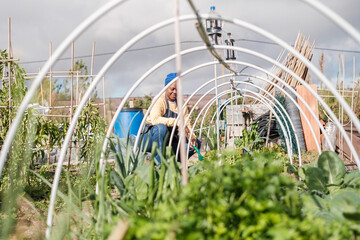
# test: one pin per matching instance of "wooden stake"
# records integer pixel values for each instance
(9, 66)
(103, 88)
(342, 107)
(71, 97)
(352, 106)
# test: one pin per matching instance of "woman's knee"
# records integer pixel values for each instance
(160, 129)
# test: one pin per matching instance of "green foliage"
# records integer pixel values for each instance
(139, 102)
(89, 132)
(326, 174)
(250, 139)
(36, 136)
(230, 195)
(332, 194)
(249, 200)
(63, 86)
(211, 138)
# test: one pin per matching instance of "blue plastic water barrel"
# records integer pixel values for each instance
(130, 120)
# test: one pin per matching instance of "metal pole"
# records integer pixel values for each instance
(217, 109)
(184, 173)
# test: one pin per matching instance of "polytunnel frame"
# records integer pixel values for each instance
(261, 56)
(351, 115)
(282, 108)
(263, 79)
(224, 84)
(239, 96)
(288, 117)
(12, 131)
(250, 96)
(205, 94)
(210, 63)
(343, 24)
(207, 106)
(157, 97)
(138, 82)
(290, 98)
(282, 90)
(306, 62)
(222, 109)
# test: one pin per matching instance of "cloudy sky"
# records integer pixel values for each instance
(36, 23)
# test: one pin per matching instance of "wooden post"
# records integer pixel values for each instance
(92, 66)
(352, 106)
(71, 97)
(77, 103)
(50, 76)
(342, 107)
(77, 95)
(91, 79)
(103, 88)
(339, 84)
(9, 66)
(184, 170)
(42, 94)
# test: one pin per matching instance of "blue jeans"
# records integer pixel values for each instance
(157, 134)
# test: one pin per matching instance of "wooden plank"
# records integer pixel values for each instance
(313, 103)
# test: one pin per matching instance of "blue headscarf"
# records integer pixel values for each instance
(170, 77)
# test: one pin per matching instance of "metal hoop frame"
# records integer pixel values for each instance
(111, 5)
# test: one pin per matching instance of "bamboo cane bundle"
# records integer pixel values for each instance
(303, 46)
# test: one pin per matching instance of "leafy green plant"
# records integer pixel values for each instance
(250, 139)
(333, 194)
(249, 200)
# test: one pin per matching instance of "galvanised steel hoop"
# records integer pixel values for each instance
(300, 56)
(243, 50)
(228, 100)
(320, 125)
(270, 74)
(256, 98)
(288, 117)
(238, 49)
(80, 107)
(300, 80)
(293, 53)
(149, 109)
(321, 101)
(317, 143)
(296, 104)
(262, 97)
(282, 108)
(11, 134)
(222, 108)
(289, 97)
(335, 94)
